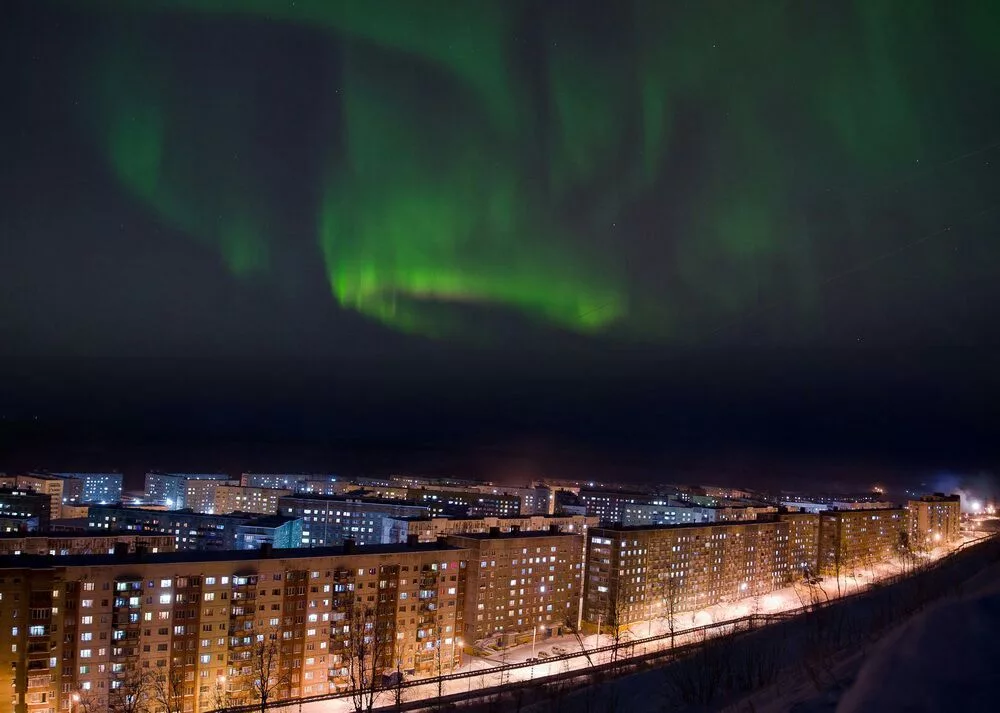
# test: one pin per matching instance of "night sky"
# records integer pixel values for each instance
(658, 232)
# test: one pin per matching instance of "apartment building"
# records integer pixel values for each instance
(82, 543)
(428, 529)
(196, 626)
(521, 585)
(735, 513)
(328, 521)
(191, 530)
(635, 574)
(934, 520)
(803, 542)
(237, 498)
(26, 508)
(853, 539)
(59, 490)
(96, 487)
(465, 503)
(170, 489)
(535, 500)
(199, 495)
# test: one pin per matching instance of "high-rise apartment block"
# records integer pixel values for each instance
(96, 487)
(328, 521)
(521, 584)
(428, 529)
(26, 508)
(934, 520)
(198, 627)
(196, 531)
(170, 489)
(465, 503)
(851, 539)
(635, 574)
(237, 498)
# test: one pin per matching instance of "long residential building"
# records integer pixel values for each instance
(82, 543)
(96, 487)
(638, 573)
(521, 584)
(934, 520)
(170, 489)
(81, 631)
(853, 539)
(237, 498)
(199, 531)
(465, 503)
(428, 529)
(329, 521)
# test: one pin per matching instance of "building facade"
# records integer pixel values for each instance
(191, 530)
(26, 506)
(934, 520)
(237, 498)
(329, 521)
(82, 543)
(636, 574)
(170, 489)
(853, 539)
(97, 487)
(428, 529)
(195, 627)
(275, 531)
(465, 503)
(521, 584)
(59, 490)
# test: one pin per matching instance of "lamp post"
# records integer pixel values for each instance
(599, 630)
(75, 698)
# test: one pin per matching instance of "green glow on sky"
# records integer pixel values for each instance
(472, 163)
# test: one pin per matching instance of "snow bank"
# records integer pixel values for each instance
(943, 659)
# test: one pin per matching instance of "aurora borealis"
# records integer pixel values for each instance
(642, 170)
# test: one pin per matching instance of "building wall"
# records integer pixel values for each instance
(74, 544)
(851, 539)
(329, 521)
(96, 487)
(236, 498)
(465, 503)
(197, 623)
(635, 574)
(517, 583)
(26, 505)
(191, 531)
(934, 520)
(429, 529)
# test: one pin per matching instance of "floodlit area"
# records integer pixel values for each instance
(488, 670)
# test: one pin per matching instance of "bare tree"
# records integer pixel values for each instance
(267, 676)
(91, 701)
(167, 691)
(617, 616)
(369, 648)
(130, 691)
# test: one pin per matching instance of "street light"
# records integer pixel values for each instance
(75, 698)
(534, 635)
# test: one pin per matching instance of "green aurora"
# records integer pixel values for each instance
(508, 154)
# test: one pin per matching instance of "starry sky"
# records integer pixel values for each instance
(706, 225)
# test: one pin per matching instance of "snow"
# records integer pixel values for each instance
(945, 658)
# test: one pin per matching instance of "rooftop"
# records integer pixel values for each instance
(511, 535)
